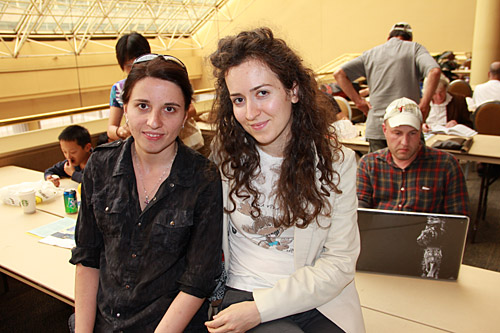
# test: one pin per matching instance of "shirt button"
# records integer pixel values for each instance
(118, 315)
(134, 255)
(172, 223)
(106, 209)
(172, 185)
(400, 205)
(139, 224)
(402, 188)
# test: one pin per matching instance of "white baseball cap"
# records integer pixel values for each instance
(404, 27)
(403, 111)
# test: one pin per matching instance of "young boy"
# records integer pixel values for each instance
(76, 147)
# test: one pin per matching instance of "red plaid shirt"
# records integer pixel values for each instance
(432, 183)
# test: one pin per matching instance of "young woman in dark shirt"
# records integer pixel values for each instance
(148, 236)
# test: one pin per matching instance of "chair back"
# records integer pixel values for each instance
(345, 108)
(487, 118)
(460, 87)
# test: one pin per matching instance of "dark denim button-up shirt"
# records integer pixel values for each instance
(146, 257)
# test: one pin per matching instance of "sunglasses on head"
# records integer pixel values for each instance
(151, 56)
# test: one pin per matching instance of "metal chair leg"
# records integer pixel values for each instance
(485, 195)
(481, 203)
(5, 283)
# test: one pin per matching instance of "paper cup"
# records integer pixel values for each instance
(27, 200)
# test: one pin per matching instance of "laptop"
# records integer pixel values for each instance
(425, 245)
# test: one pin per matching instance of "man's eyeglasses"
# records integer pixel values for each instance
(151, 56)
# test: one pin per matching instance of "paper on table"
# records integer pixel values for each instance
(60, 233)
(49, 229)
(64, 238)
(428, 135)
(458, 129)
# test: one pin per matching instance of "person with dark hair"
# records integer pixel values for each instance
(76, 146)
(149, 231)
(290, 235)
(393, 70)
(128, 48)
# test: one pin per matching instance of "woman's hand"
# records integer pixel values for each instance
(451, 123)
(123, 132)
(239, 317)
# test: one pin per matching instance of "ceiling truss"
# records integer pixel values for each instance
(82, 22)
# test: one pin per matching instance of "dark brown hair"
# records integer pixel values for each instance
(131, 46)
(313, 146)
(160, 69)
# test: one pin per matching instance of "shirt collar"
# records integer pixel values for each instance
(385, 155)
(124, 162)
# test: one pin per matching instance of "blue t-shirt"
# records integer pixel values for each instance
(115, 98)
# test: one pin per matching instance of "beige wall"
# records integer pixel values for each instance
(320, 30)
(34, 84)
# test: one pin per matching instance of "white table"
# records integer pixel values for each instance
(377, 321)
(484, 149)
(11, 175)
(469, 304)
(41, 266)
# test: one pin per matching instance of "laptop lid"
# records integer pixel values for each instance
(413, 244)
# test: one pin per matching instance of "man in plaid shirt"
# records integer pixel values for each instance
(407, 175)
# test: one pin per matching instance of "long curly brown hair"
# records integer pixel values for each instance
(311, 150)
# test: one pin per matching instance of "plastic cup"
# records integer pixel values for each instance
(28, 200)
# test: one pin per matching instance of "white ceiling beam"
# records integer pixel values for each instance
(79, 21)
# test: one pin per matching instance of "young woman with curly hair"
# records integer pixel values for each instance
(290, 235)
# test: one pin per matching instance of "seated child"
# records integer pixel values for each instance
(76, 147)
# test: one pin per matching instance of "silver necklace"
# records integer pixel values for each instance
(169, 166)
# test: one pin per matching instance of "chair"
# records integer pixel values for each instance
(487, 118)
(486, 121)
(345, 108)
(460, 87)
(466, 64)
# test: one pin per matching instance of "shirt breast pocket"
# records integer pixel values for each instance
(109, 213)
(426, 195)
(172, 229)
